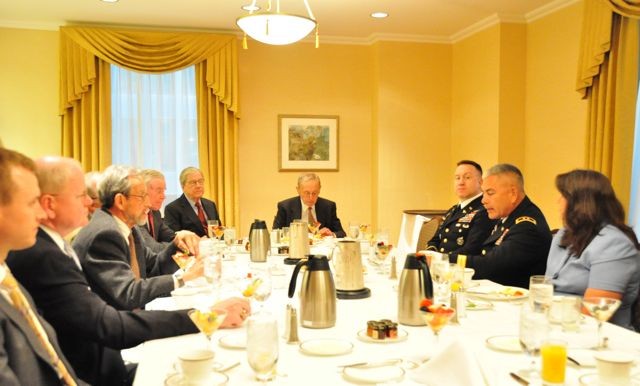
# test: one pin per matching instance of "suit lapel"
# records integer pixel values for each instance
(188, 209)
(18, 319)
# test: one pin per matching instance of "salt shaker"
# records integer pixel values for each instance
(393, 274)
(292, 337)
(454, 305)
(287, 322)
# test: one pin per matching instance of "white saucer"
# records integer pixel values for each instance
(373, 375)
(478, 305)
(505, 343)
(215, 379)
(326, 347)
(402, 336)
(593, 380)
(235, 341)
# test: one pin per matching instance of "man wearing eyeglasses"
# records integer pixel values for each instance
(310, 207)
(117, 264)
(156, 234)
(191, 210)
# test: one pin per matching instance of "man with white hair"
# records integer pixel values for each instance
(156, 234)
(119, 267)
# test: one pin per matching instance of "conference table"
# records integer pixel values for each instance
(463, 355)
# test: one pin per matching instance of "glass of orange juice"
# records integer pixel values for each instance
(554, 361)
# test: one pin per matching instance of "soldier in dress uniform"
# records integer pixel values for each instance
(519, 243)
(466, 225)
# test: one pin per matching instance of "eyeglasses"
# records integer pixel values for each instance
(140, 196)
(196, 182)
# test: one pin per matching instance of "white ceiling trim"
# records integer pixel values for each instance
(549, 8)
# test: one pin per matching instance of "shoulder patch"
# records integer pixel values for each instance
(526, 218)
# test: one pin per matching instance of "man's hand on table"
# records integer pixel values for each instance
(238, 310)
(187, 241)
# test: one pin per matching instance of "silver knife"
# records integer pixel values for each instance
(365, 365)
(519, 379)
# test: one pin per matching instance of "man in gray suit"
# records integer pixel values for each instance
(156, 234)
(24, 360)
(118, 266)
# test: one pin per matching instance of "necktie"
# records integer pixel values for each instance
(201, 217)
(150, 223)
(135, 268)
(310, 217)
(71, 253)
(22, 305)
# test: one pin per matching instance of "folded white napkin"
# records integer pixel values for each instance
(456, 365)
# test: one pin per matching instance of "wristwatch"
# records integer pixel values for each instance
(178, 277)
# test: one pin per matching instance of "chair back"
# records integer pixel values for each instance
(429, 228)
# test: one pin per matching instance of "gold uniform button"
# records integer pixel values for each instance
(444, 241)
(441, 249)
(446, 230)
(484, 252)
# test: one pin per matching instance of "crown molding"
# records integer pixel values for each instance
(43, 26)
(548, 9)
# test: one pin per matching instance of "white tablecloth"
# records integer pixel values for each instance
(157, 357)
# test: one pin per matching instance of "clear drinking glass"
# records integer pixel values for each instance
(441, 275)
(259, 284)
(602, 309)
(262, 345)
(229, 234)
(540, 291)
(534, 329)
(354, 230)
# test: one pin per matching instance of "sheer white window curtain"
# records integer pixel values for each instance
(154, 122)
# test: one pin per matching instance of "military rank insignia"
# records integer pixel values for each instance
(526, 218)
(504, 233)
(460, 241)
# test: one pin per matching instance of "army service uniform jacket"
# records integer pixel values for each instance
(463, 230)
(516, 249)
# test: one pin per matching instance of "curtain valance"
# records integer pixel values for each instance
(146, 51)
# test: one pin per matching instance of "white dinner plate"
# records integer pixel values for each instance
(505, 343)
(235, 341)
(592, 379)
(478, 305)
(215, 379)
(326, 347)
(492, 292)
(374, 375)
(402, 336)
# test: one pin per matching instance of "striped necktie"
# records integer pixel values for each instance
(201, 217)
(135, 267)
(22, 305)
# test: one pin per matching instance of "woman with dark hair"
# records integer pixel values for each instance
(596, 253)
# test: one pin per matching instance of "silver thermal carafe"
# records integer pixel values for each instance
(259, 241)
(415, 285)
(317, 292)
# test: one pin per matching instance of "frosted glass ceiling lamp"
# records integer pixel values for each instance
(277, 28)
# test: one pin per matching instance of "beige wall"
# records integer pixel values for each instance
(555, 114)
(408, 112)
(299, 79)
(29, 79)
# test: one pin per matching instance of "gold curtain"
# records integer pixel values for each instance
(608, 77)
(85, 56)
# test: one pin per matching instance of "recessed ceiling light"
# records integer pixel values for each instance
(251, 8)
(379, 15)
(109, 1)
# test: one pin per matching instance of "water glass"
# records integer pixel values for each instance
(441, 275)
(354, 230)
(229, 235)
(554, 361)
(262, 345)
(540, 291)
(534, 328)
(571, 311)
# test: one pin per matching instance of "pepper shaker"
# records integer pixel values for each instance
(393, 274)
(292, 337)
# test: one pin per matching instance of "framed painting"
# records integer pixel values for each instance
(308, 142)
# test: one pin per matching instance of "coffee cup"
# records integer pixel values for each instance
(196, 365)
(614, 368)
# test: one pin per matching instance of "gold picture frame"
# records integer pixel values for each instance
(308, 142)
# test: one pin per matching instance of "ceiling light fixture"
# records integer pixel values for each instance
(250, 7)
(109, 1)
(276, 28)
(379, 15)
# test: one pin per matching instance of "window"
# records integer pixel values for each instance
(154, 122)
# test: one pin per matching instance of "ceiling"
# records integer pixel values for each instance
(338, 20)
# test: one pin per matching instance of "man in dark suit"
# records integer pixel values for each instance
(116, 263)
(466, 225)
(24, 357)
(91, 332)
(155, 233)
(519, 243)
(191, 210)
(316, 209)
